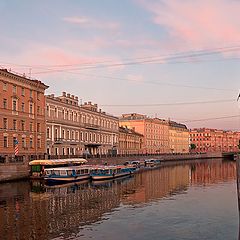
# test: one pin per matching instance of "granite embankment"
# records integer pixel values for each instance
(21, 170)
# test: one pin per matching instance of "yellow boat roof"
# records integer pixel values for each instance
(58, 161)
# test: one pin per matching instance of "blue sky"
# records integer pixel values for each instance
(56, 38)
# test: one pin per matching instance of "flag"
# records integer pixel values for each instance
(238, 97)
(16, 150)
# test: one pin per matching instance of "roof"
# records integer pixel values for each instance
(25, 78)
(177, 125)
(58, 162)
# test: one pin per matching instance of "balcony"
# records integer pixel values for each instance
(58, 140)
(91, 126)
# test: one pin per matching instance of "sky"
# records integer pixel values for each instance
(172, 59)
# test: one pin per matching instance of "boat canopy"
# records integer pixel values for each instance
(54, 162)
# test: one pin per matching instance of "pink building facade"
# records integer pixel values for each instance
(212, 140)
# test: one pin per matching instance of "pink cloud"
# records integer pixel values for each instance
(197, 23)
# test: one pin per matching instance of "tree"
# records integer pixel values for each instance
(192, 146)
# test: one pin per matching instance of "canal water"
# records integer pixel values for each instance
(196, 200)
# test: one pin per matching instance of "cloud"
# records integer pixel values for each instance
(197, 23)
(76, 20)
(92, 23)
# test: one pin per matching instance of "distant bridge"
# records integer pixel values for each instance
(231, 155)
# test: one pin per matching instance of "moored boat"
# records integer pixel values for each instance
(152, 162)
(38, 166)
(66, 174)
(110, 172)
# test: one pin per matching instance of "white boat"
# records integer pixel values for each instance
(67, 174)
(152, 162)
(110, 172)
(39, 166)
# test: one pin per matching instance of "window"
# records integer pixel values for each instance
(5, 103)
(14, 89)
(38, 127)
(48, 133)
(63, 134)
(38, 109)
(38, 96)
(5, 123)
(39, 143)
(30, 108)
(31, 93)
(24, 142)
(31, 126)
(14, 124)
(56, 133)
(31, 143)
(5, 86)
(23, 125)
(5, 142)
(23, 91)
(14, 141)
(72, 135)
(23, 107)
(14, 107)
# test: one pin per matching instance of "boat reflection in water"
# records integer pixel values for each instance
(33, 211)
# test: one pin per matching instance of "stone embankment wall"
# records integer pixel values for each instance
(165, 158)
(14, 171)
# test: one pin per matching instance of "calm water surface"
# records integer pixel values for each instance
(187, 201)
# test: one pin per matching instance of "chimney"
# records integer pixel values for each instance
(68, 95)
(64, 94)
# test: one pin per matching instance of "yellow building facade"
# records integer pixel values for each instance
(130, 142)
(178, 138)
(154, 130)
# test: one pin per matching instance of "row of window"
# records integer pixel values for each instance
(19, 125)
(217, 140)
(22, 144)
(84, 136)
(16, 108)
(81, 118)
(6, 87)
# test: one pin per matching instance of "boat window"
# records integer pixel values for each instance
(63, 172)
(69, 172)
(48, 172)
(78, 172)
(82, 171)
(86, 170)
(55, 172)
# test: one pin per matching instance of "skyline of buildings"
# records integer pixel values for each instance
(49, 125)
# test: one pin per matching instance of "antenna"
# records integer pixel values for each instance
(30, 72)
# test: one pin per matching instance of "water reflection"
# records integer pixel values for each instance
(29, 210)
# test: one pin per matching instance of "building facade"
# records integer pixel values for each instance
(178, 138)
(22, 119)
(214, 140)
(130, 142)
(74, 129)
(154, 130)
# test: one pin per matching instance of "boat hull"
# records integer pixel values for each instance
(109, 176)
(57, 180)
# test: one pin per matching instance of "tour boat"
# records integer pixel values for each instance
(135, 164)
(66, 174)
(38, 166)
(152, 162)
(110, 172)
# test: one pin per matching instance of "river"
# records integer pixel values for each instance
(190, 200)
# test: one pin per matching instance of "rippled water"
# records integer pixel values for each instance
(196, 200)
